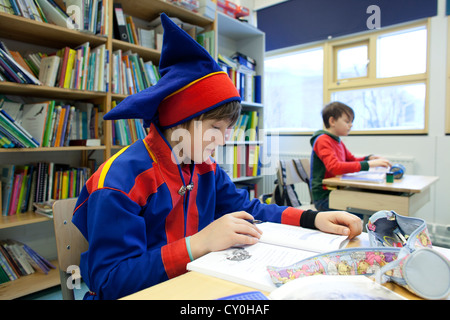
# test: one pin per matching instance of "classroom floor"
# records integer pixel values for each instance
(54, 293)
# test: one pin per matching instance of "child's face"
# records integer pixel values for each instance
(200, 140)
(212, 135)
(341, 126)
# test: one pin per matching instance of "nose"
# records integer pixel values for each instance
(220, 139)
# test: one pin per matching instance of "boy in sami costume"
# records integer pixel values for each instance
(162, 202)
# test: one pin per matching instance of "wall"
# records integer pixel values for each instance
(432, 151)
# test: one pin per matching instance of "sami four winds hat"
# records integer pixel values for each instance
(191, 83)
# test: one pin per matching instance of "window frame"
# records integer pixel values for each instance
(331, 84)
(334, 63)
(447, 116)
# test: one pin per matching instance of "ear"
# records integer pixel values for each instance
(331, 121)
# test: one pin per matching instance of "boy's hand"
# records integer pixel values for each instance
(227, 231)
(381, 162)
(339, 222)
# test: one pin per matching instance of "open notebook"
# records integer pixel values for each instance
(375, 175)
(279, 245)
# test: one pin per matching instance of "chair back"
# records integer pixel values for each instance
(289, 173)
(70, 243)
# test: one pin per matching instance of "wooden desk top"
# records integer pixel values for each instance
(409, 184)
(196, 286)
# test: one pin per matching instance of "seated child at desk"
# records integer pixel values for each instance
(330, 157)
(161, 202)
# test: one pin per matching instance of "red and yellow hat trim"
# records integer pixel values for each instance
(197, 97)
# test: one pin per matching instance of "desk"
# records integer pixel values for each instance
(196, 286)
(404, 196)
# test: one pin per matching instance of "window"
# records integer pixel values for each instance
(402, 53)
(382, 75)
(294, 91)
(399, 107)
(386, 81)
(351, 62)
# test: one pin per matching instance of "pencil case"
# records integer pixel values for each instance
(424, 272)
(421, 270)
(400, 251)
(389, 229)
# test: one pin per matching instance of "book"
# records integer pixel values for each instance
(280, 245)
(49, 70)
(34, 118)
(12, 113)
(48, 124)
(7, 179)
(56, 15)
(120, 29)
(44, 208)
(23, 189)
(12, 132)
(374, 175)
(16, 70)
(19, 59)
(18, 259)
(75, 10)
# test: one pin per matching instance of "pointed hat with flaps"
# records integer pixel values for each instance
(191, 83)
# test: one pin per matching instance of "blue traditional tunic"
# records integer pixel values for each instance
(136, 221)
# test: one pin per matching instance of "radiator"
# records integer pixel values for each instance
(302, 189)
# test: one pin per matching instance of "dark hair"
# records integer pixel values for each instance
(336, 109)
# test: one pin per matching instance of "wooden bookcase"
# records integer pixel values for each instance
(236, 36)
(35, 230)
(29, 227)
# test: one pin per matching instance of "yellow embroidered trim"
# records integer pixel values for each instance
(193, 82)
(150, 152)
(106, 167)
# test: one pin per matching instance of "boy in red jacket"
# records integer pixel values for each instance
(330, 157)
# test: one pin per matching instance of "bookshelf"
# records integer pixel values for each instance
(37, 231)
(236, 36)
(29, 227)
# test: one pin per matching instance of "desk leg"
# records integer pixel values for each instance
(366, 213)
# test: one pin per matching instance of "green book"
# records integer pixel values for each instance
(48, 124)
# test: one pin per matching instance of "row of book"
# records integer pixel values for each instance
(82, 68)
(84, 15)
(48, 123)
(127, 131)
(245, 129)
(130, 74)
(147, 34)
(126, 30)
(13, 71)
(192, 5)
(239, 160)
(241, 70)
(207, 40)
(18, 259)
(24, 187)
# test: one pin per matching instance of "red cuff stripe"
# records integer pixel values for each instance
(175, 257)
(291, 216)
